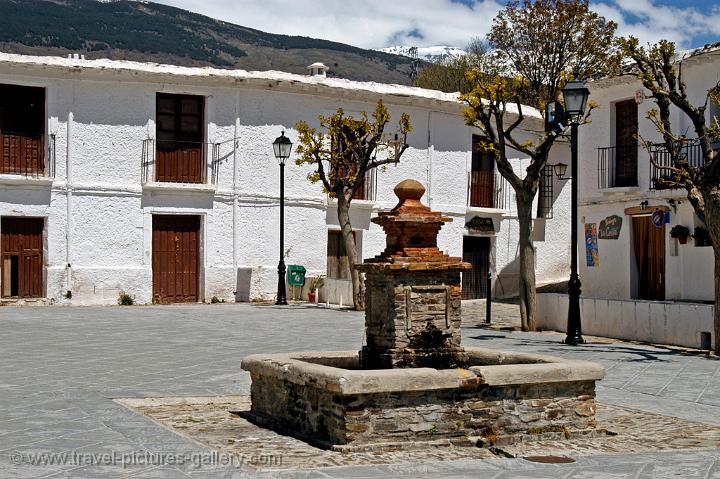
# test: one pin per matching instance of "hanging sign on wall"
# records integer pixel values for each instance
(591, 245)
(610, 228)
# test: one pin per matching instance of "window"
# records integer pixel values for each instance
(482, 175)
(22, 129)
(545, 196)
(338, 266)
(180, 136)
(626, 140)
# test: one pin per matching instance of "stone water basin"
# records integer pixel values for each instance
(501, 397)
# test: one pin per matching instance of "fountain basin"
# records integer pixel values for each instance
(324, 398)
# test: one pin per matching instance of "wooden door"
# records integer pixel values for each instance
(482, 176)
(626, 140)
(22, 130)
(22, 257)
(180, 155)
(476, 251)
(649, 248)
(176, 262)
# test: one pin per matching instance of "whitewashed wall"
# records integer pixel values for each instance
(100, 123)
(689, 269)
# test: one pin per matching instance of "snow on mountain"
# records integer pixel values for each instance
(435, 54)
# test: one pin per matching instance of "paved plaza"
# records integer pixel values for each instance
(62, 368)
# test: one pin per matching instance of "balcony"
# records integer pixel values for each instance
(180, 162)
(618, 167)
(690, 152)
(27, 155)
(487, 189)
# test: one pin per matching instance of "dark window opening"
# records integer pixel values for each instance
(22, 129)
(626, 144)
(338, 266)
(14, 276)
(482, 175)
(545, 197)
(180, 138)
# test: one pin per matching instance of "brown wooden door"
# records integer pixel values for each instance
(22, 130)
(176, 262)
(482, 176)
(180, 155)
(22, 257)
(649, 248)
(476, 251)
(626, 140)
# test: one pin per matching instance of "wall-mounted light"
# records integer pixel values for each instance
(560, 169)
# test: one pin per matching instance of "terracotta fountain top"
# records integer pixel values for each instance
(411, 229)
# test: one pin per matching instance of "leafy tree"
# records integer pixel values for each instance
(536, 46)
(342, 153)
(660, 72)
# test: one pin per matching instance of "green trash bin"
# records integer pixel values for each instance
(296, 275)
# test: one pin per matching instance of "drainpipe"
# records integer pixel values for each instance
(235, 195)
(68, 203)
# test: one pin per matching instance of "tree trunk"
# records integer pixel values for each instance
(358, 283)
(528, 297)
(712, 221)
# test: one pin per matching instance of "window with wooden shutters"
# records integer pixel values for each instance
(22, 130)
(545, 193)
(338, 266)
(626, 144)
(181, 152)
(482, 175)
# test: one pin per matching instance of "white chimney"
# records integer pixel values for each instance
(317, 69)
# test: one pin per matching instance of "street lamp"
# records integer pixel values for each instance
(282, 146)
(575, 95)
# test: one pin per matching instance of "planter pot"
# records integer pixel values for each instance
(682, 239)
(311, 297)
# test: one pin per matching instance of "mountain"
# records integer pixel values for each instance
(436, 54)
(146, 31)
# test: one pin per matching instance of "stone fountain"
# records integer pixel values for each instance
(413, 384)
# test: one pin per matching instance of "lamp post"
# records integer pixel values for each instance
(575, 95)
(282, 146)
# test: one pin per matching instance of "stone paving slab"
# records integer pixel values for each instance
(62, 367)
(214, 422)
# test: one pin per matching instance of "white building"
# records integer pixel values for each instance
(643, 285)
(160, 181)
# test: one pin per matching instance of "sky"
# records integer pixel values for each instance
(382, 23)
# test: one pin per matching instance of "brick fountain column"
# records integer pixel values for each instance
(413, 292)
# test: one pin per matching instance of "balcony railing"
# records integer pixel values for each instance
(690, 152)
(368, 190)
(487, 189)
(26, 154)
(617, 167)
(166, 161)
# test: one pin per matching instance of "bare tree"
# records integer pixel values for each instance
(536, 46)
(660, 72)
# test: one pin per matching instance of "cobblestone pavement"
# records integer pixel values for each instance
(61, 368)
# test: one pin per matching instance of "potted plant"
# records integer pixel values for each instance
(680, 233)
(316, 282)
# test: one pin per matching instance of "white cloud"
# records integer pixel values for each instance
(367, 23)
(382, 23)
(651, 21)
